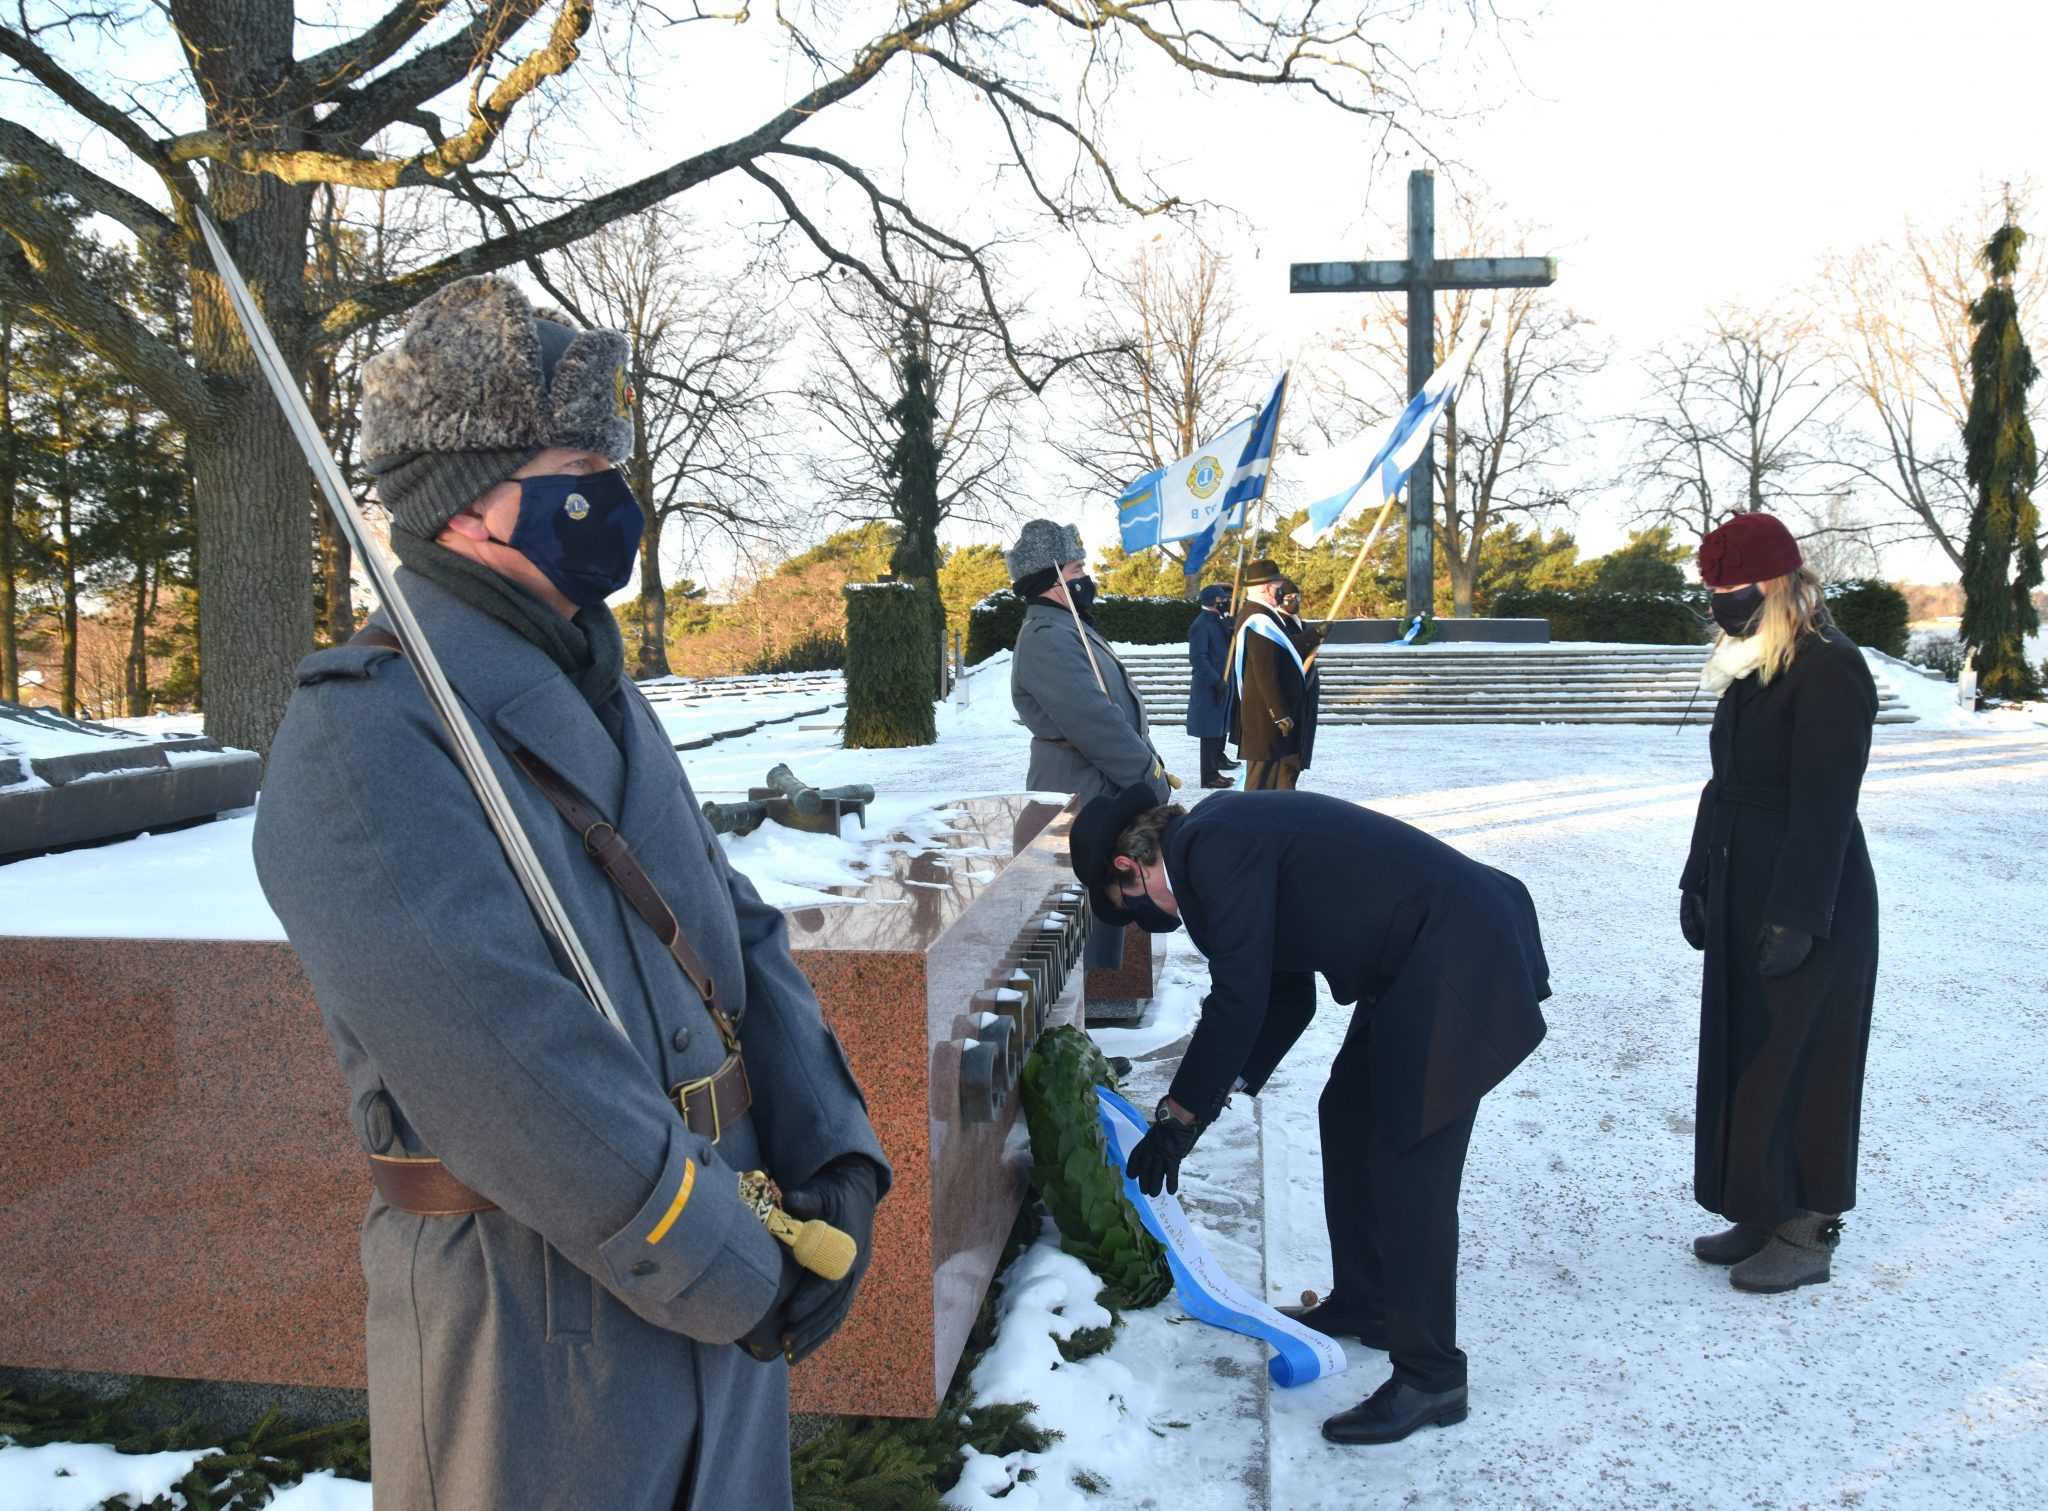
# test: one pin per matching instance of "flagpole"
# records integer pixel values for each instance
(1358, 562)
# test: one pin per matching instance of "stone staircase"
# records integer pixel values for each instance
(1562, 683)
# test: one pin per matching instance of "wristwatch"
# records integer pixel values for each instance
(1163, 1113)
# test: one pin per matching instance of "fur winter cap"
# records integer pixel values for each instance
(1042, 544)
(479, 385)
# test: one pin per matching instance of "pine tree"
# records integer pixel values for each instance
(2002, 556)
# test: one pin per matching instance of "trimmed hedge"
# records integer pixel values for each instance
(1871, 613)
(890, 674)
(1629, 618)
(993, 623)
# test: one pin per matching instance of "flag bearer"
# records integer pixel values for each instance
(560, 1264)
(1271, 686)
(1442, 962)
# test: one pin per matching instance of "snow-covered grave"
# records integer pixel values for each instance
(1608, 1367)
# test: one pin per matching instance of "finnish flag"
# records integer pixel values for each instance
(1393, 452)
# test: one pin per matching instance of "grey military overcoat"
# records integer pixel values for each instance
(575, 1348)
(1081, 742)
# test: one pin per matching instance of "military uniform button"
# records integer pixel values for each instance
(680, 1039)
(645, 1267)
(711, 851)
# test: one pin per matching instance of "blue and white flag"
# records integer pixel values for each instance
(1213, 483)
(1400, 448)
(1207, 1294)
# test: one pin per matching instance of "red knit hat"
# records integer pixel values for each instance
(1748, 548)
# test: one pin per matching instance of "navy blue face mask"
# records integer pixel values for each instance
(581, 530)
(1147, 914)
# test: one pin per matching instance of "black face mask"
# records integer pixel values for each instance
(1735, 611)
(1148, 915)
(1081, 593)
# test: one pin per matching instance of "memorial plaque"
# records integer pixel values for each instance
(183, 1196)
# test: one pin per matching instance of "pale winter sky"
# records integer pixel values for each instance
(1672, 156)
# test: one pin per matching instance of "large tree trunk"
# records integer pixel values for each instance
(254, 551)
(652, 608)
(135, 675)
(10, 647)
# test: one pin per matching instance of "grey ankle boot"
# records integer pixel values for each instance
(1732, 1246)
(1799, 1253)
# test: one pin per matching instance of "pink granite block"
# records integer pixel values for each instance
(180, 1193)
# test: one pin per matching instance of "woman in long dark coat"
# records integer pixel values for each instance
(1779, 893)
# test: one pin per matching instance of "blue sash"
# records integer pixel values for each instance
(1206, 1292)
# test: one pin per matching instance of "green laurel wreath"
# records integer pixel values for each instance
(1071, 1171)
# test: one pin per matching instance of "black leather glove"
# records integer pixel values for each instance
(1781, 951)
(1692, 918)
(843, 1194)
(764, 1339)
(1155, 1163)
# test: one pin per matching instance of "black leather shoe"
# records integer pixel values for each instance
(1393, 1411)
(1334, 1322)
(1218, 782)
(1227, 766)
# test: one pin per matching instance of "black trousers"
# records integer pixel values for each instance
(1393, 1219)
(1212, 756)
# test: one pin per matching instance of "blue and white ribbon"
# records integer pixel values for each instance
(1264, 626)
(1206, 1293)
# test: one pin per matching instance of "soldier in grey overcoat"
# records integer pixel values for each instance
(1089, 737)
(560, 1331)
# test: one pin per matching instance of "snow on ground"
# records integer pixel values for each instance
(1609, 1369)
(83, 1476)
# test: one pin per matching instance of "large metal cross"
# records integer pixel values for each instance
(1420, 276)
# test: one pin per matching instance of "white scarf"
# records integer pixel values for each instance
(1733, 659)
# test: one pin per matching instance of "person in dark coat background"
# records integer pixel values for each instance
(1444, 960)
(1209, 684)
(1779, 893)
(1269, 711)
(1307, 639)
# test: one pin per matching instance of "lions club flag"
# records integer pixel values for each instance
(1187, 497)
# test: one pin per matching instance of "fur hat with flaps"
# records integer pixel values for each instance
(1042, 546)
(479, 385)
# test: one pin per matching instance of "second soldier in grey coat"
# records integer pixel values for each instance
(1089, 733)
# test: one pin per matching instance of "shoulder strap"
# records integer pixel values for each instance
(608, 848)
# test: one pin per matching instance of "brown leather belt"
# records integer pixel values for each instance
(423, 1187)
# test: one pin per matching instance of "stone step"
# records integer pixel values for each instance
(1699, 717)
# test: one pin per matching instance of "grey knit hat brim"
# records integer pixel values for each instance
(427, 489)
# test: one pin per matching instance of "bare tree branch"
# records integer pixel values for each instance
(61, 174)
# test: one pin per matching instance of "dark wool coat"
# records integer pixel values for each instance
(1780, 1093)
(1283, 883)
(1306, 643)
(1268, 688)
(1208, 648)
(575, 1348)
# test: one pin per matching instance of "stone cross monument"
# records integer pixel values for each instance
(1420, 276)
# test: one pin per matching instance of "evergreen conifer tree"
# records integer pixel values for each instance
(2002, 555)
(914, 470)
